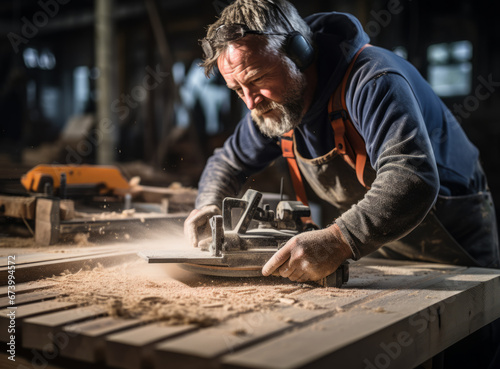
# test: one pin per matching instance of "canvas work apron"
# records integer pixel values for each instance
(468, 239)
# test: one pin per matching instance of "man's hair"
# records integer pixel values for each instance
(257, 15)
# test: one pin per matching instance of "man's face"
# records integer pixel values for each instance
(271, 88)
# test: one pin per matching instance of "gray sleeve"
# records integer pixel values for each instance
(222, 177)
(244, 153)
(388, 117)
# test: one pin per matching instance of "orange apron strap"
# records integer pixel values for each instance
(298, 184)
(347, 139)
(338, 115)
(288, 153)
(360, 168)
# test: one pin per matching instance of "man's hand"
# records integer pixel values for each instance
(196, 226)
(310, 256)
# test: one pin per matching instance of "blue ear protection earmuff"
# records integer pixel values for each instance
(296, 47)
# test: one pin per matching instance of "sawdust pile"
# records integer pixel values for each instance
(17, 242)
(131, 291)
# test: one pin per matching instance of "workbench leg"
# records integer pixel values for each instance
(47, 221)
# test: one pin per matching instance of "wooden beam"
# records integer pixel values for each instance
(44, 332)
(87, 340)
(18, 207)
(27, 298)
(400, 330)
(36, 270)
(104, 28)
(22, 288)
(203, 348)
(133, 348)
(47, 221)
(26, 311)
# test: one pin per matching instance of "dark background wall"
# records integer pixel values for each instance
(48, 77)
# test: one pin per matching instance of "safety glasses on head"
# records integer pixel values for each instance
(228, 33)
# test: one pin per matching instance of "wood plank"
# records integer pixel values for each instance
(27, 298)
(21, 288)
(28, 362)
(45, 331)
(87, 340)
(26, 311)
(133, 349)
(18, 207)
(202, 348)
(38, 257)
(365, 286)
(400, 330)
(47, 221)
(139, 223)
(37, 270)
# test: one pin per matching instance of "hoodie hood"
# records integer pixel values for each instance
(337, 38)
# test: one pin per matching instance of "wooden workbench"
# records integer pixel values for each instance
(390, 314)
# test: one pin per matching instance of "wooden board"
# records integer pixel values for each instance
(390, 314)
(203, 348)
(411, 326)
(23, 299)
(21, 288)
(87, 341)
(68, 254)
(133, 348)
(47, 221)
(45, 331)
(26, 311)
(18, 207)
(35, 270)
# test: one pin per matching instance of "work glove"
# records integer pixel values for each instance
(197, 228)
(310, 256)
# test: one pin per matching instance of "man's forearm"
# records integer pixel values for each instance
(220, 179)
(397, 202)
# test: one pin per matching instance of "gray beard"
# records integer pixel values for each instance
(290, 111)
(290, 117)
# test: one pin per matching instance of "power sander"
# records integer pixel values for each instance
(244, 238)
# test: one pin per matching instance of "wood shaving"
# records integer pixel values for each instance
(131, 291)
(214, 305)
(82, 239)
(309, 305)
(240, 332)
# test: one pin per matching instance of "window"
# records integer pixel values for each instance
(401, 51)
(81, 89)
(44, 60)
(450, 68)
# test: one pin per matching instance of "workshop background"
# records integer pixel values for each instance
(118, 82)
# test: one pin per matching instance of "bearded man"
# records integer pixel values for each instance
(423, 175)
(420, 195)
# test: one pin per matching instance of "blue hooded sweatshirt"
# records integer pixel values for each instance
(414, 143)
